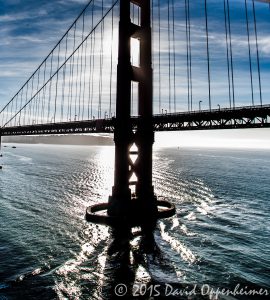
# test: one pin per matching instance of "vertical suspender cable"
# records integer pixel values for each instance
(29, 107)
(90, 90)
(249, 55)
(79, 77)
(159, 58)
(24, 111)
(35, 106)
(64, 82)
(34, 109)
(11, 110)
(169, 50)
(90, 65)
(227, 52)
(84, 75)
(81, 71)
(16, 109)
(111, 63)
(32, 105)
(190, 57)
(72, 73)
(26, 97)
(32, 93)
(187, 56)
(174, 63)
(231, 54)
(69, 87)
(77, 110)
(93, 66)
(101, 62)
(257, 50)
(10, 119)
(50, 90)
(208, 56)
(20, 114)
(38, 100)
(7, 109)
(29, 116)
(56, 89)
(44, 91)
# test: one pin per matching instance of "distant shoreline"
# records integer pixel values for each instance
(87, 140)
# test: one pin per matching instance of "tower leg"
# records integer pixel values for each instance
(125, 210)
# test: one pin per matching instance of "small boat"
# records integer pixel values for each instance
(14, 147)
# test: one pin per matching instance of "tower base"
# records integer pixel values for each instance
(136, 216)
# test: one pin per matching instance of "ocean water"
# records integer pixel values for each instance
(219, 238)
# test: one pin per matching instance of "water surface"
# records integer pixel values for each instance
(219, 237)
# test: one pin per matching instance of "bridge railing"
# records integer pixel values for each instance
(216, 110)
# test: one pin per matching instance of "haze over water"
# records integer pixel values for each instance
(220, 235)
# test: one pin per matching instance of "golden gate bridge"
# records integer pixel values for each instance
(135, 67)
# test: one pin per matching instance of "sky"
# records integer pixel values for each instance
(29, 29)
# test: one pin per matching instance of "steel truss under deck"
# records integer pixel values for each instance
(240, 117)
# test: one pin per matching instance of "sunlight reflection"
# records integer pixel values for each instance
(105, 160)
(142, 276)
(71, 291)
(69, 273)
(181, 249)
(175, 223)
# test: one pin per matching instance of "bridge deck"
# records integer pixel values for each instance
(240, 117)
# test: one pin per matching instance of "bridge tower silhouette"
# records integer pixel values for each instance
(141, 207)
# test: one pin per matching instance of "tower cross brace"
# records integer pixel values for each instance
(141, 207)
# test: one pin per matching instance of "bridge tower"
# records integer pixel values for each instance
(143, 203)
(141, 207)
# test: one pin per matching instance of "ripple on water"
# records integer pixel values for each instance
(219, 235)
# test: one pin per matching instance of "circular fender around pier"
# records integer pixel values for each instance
(165, 209)
(97, 213)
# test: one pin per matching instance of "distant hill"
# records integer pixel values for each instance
(93, 140)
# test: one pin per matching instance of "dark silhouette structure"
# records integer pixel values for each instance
(141, 208)
(143, 136)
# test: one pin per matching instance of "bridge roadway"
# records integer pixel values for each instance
(224, 118)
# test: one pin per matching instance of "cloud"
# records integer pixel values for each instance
(264, 43)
